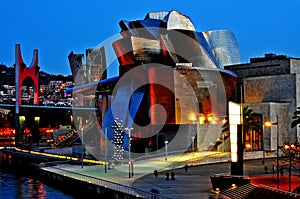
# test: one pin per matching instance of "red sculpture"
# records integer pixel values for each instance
(28, 72)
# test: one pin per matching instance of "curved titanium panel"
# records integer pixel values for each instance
(224, 47)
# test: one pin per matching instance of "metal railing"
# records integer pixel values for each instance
(159, 155)
(220, 157)
(282, 192)
(107, 184)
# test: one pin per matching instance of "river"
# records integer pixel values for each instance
(21, 185)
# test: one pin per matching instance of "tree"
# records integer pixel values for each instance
(249, 121)
(296, 118)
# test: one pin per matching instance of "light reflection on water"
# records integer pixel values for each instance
(17, 183)
(23, 186)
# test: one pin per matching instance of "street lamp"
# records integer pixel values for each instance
(37, 120)
(130, 164)
(105, 164)
(166, 146)
(291, 151)
(269, 124)
(193, 140)
(82, 147)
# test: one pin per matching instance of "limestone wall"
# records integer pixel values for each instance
(270, 112)
(279, 88)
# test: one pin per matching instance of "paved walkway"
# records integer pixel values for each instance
(195, 183)
(120, 173)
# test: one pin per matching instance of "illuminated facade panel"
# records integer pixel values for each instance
(234, 120)
(224, 46)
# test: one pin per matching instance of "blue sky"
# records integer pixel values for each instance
(58, 27)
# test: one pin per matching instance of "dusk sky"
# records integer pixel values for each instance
(57, 27)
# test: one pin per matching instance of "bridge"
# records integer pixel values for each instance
(47, 107)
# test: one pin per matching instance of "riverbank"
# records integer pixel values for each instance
(73, 174)
(115, 182)
(92, 179)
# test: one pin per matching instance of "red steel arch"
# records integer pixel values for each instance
(30, 72)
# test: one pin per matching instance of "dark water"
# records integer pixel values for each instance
(19, 182)
(20, 185)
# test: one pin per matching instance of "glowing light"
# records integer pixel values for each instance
(234, 120)
(234, 157)
(224, 121)
(209, 118)
(192, 117)
(59, 156)
(268, 124)
(233, 148)
(37, 119)
(201, 119)
(22, 118)
(49, 131)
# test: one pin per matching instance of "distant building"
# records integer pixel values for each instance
(270, 85)
(50, 86)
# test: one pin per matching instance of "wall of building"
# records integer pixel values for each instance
(295, 66)
(207, 136)
(271, 87)
(258, 69)
(270, 112)
(275, 88)
(297, 79)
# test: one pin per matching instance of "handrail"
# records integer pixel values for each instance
(201, 160)
(280, 191)
(158, 155)
(108, 184)
(67, 136)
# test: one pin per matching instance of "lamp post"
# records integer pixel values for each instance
(269, 124)
(291, 151)
(82, 147)
(105, 164)
(166, 146)
(263, 148)
(193, 140)
(130, 164)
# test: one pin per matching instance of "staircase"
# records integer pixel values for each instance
(221, 140)
(67, 139)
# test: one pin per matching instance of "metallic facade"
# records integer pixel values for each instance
(182, 72)
(170, 75)
(175, 34)
(224, 47)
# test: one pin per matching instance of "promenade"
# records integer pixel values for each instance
(193, 183)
